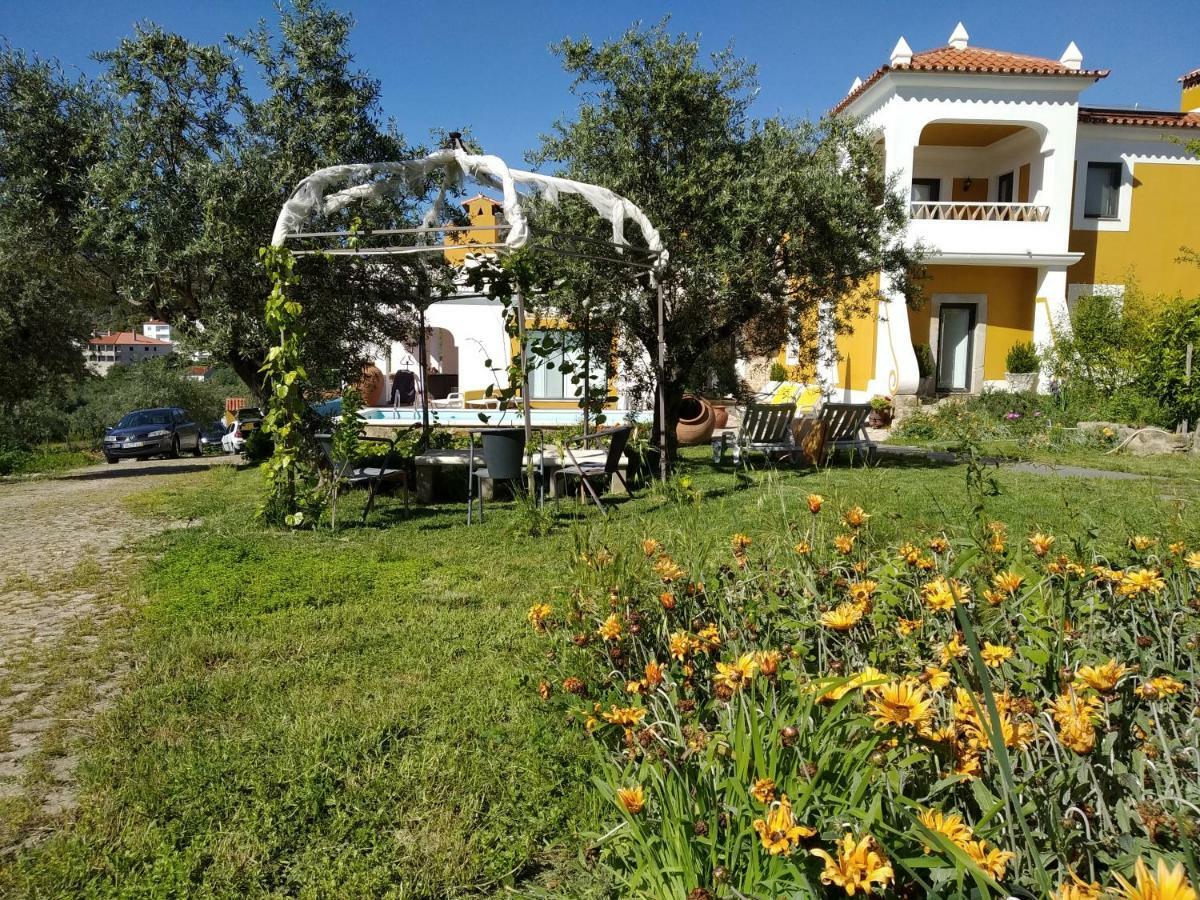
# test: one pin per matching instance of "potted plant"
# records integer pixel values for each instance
(881, 412)
(927, 385)
(1022, 364)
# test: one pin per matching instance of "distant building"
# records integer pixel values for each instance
(198, 373)
(120, 348)
(157, 329)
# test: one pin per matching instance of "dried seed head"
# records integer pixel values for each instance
(788, 735)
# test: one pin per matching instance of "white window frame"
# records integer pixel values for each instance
(1081, 222)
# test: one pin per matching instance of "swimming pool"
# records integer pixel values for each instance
(469, 418)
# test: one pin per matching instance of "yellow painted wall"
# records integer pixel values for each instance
(482, 211)
(1023, 175)
(856, 350)
(1190, 98)
(1010, 294)
(1165, 215)
(977, 193)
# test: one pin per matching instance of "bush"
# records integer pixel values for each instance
(1022, 358)
(779, 372)
(986, 717)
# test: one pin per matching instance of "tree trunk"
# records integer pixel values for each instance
(248, 370)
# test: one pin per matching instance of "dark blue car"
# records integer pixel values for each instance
(152, 432)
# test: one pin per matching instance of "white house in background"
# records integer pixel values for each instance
(118, 348)
(157, 329)
(1022, 199)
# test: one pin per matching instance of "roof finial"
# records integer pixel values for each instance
(1072, 57)
(855, 85)
(959, 37)
(902, 53)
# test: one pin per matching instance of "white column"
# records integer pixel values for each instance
(1051, 319)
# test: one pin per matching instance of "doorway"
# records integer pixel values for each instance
(955, 347)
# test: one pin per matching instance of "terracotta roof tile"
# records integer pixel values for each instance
(1191, 78)
(977, 61)
(1095, 115)
(127, 338)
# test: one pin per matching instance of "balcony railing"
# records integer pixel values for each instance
(981, 212)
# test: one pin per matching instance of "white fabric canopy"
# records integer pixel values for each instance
(331, 189)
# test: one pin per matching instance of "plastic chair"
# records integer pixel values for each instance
(503, 460)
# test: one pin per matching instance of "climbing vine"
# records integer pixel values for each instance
(292, 498)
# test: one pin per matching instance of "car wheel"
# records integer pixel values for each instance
(111, 460)
(197, 449)
(175, 447)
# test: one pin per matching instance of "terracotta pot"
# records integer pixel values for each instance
(720, 415)
(879, 418)
(372, 386)
(696, 421)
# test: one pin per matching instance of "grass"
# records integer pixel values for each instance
(356, 714)
(45, 459)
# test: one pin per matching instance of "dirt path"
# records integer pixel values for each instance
(64, 546)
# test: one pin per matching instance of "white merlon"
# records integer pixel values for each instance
(902, 54)
(1072, 57)
(959, 37)
(855, 85)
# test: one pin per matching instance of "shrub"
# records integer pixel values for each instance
(984, 716)
(1022, 358)
(779, 372)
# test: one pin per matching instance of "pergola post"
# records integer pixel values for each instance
(661, 380)
(525, 404)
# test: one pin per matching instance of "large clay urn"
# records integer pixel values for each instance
(696, 421)
(720, 413)
(372, 386)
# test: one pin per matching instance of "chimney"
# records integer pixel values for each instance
(901, 53)
(1072, 58)
(959, 37)
(1189, 97)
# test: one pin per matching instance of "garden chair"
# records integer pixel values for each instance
(766, 428)
(845, 426)
(355, 474)
(618, 439)
(503, 460)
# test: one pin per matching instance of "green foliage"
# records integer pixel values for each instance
(14, 461)
(1161, 361)
(778, 372)
(925, 363)
(1022, 358)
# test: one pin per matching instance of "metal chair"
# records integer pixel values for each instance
(503, 460)
(354, 473)
(586, 470)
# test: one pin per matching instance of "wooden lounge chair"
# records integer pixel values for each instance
(355, 474)
(845, 427)
(766, 428)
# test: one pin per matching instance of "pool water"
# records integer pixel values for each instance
(470, 418)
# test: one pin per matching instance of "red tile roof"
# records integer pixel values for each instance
(1096, 115)
(976, 61)
(1191, 78)
(124, 338)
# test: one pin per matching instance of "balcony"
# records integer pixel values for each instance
(958, 211)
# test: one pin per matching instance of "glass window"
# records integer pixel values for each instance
(926, 190)
(559, 347)
(1102, 190)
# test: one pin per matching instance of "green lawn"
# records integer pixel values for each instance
(45, 459)
(356, 714)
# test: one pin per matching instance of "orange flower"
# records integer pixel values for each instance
(763, 790)
(1008, 582)
(1100, 678)
(941, 593)
(667, 599)
(908, 626)
(1143, 581)
(814, 503)
(633, 799)
(803, 548)
(651, 547)
(939, 545)
(855, 517)
(610, 630)
(1164, 884)
(995, 655)
(844, 543)
(740, 542)
(1041, 543)
(538, 615)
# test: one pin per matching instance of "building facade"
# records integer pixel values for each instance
(1021, 199)
(118, 348)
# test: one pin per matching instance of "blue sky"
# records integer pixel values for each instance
(446, 64)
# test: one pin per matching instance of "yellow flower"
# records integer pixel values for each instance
(1159, 686)
(768, 662)
(1143, 581)
(997, 536)
(708, 638)
(740, 542)
(651, 547)
(991, 860)
(611, 629)
(763, 790)
(654, 674)
(1141, 542)
(941, 593)
(908, 626)
(901, 704)
(668, 570)
(633, 799)
(680, 645)
(843, 618)
(858, 866)
(814, 503)
(939, 545)
(803, 548)
(1193, 560)
(855, 517)
(624, 715)
(844, 543)
(995, 655)
(538, 614)
(735, 675)
(1165, 884)
(1076, 717)
(1078, 889)
(861, 592)
(1017, 733)
(953, 649)
(1008, 582)
(1041, 543)
(936, 678)
(951, 826)
(1100, 678)
(868, 676)
(909, 553)
(779, 832)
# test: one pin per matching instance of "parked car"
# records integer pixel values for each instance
(245, 421)
(144, 433)
(210, 437)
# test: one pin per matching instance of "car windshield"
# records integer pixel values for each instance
(145, 417)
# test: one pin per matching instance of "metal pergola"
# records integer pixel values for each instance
(377, 181)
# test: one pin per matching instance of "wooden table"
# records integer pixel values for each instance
(429, 462)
